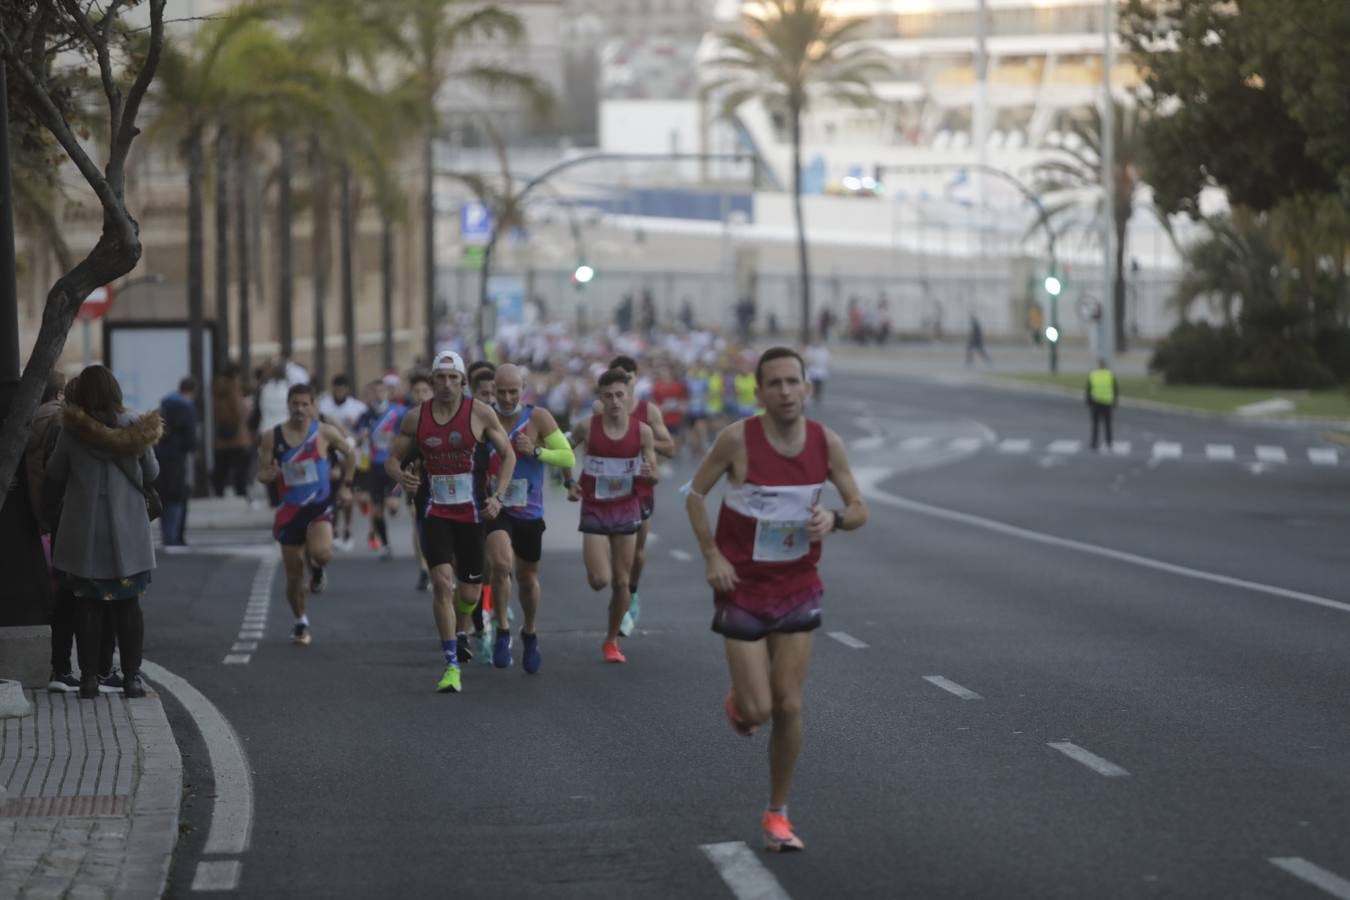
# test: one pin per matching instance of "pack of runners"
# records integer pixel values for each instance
(473, 448)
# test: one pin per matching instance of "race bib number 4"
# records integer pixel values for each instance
(611, 487)
(518, 494)
(449, 490)
(299, 472)
(780, 541)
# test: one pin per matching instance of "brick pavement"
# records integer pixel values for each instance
(91, 790)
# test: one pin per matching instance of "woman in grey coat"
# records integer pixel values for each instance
(103, 544)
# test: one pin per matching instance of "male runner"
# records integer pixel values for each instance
(419, 391)
(619, 454)
(294, 455)
(447, 430)
(376, 428)
(516, 536)
(648, 413)
(480, 384)
(342, 408)
(762, 562)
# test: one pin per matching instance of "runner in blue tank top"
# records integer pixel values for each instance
(294, 454)
(515, 538)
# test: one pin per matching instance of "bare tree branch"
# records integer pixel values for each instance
(126, 128)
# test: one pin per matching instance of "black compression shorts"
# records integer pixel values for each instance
(445, 542)
(527, 535)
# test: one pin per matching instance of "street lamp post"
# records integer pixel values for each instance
(1108, 320)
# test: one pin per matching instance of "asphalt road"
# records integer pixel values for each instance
(1221, 705)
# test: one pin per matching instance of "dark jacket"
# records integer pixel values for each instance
(41, 441)
(180, 440)
(104, 531)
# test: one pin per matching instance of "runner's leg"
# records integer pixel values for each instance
(499, 560)
(750, 670)
(527, 577)
(790, 655)
(319, 543)
(622, 547)
(443, 601)
(595, 553)
(293, 561)
(640, 553)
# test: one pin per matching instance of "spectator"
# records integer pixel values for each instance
(231, 440)
(175, 451)
(818, 368)
(975, 341)
(103, 546)
(883, 321)
(648, 316)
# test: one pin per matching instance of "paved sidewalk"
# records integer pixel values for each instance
(89, 798)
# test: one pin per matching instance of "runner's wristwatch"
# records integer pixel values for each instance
(838, 520)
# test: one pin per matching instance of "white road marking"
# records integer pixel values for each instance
(847, 639)
(868, 478)
(915, 443)
(682, 555)
(232, 810)
(952, 687)
(244, 647)
(966, 444)
(1323, 456)
(1121, 448)
(744, 874)
(1220, 452)
(1166, 450)
(250, 634)
(1317, 876)
(1064, 448)
(1015, 445)
(217, 875)
(1271, 454)
(237, 659)
(1089, 759)
(866, 444)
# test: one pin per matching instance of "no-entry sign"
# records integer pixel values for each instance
(97, 304)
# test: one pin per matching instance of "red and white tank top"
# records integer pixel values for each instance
(447, 460)
(761, 526)
(610, 473)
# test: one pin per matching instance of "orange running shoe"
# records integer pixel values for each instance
(778, 836)
(741, 728)
(612, 653)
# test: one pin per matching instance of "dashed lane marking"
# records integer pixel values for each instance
(1271, 454)
(916, 443)
(682, 555)
(744, 874)
(1166, 450)
(217, 875)
(244, 647)
(237, 659)
(1323, 456)
(1064, 448)
(1220, 452)
(1315, 875)
(966, 444)
(847, 639)
(952, 687)
(1088, 758)
(1015, 445)
(1121, 448)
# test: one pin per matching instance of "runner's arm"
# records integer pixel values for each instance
(662, 441)
(267, 466)
(493, 433)
(648, 453)
(335, 437)
(400, 447)
(556, 452)
(717, 463)
(854, 513)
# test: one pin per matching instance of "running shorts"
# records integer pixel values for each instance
(377, 483)
(741, 624)
(291, 525)
(647, 505)
(461, 543)
(608, 519)
(527, 535)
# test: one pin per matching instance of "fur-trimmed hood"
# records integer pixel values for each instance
(132, 438)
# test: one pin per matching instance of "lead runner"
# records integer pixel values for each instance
(762, 561)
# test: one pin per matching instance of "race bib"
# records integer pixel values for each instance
(382, 439)
(363, 458)
(518, 494)
(299, 472)
(780, 541)
(449, 490)
(611, 487)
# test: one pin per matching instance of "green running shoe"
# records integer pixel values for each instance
(449, 683)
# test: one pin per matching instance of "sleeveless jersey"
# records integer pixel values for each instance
(761, 526)
(644, 489)
(609, 477)
(304, 472)
(383, 427)
(524, 497)
(448, 453)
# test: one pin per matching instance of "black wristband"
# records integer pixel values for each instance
(838, 520)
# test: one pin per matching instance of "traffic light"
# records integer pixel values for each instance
(1053, 286)
(583, 274)
(1052, 334)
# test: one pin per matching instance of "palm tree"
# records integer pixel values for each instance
(793, 53)
(1071, 183)
(440, 30)
(1234, 265)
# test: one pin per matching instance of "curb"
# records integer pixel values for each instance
(159, 794)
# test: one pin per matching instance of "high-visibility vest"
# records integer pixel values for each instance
(1102, 386)
(745, 391)
(716, 393)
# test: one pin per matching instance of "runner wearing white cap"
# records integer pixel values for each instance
(446, 430)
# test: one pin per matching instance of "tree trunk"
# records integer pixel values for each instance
(429, 250)
(196, 287)
(1118, 300)
(803, 260)
(320, 255)
(286, 268)
(223, 251)
(387, 290)
(242, 252)
(345, 260)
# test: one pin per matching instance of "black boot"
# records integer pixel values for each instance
(88, 686)
(132, 686)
